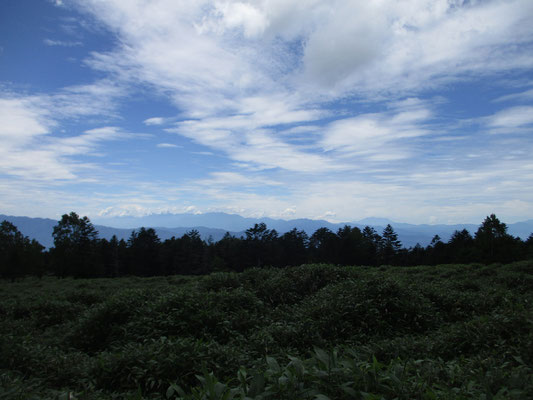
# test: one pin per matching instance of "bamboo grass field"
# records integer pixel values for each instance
(307, 332)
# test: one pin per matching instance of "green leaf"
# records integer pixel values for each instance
(349, 391)
(241, 374)
(170, 392)
(273, 364)
(322, 356)
(519, 360)
(257, 386)
(220, 388)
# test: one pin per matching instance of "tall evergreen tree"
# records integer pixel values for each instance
(529, 246)
(193, 251)
(294, 247)
(390, 245)
(461, 247)
(75, 241)
(18, 255)
(323, 246)
(109, 258)
(261, 246)
(371, 245)
(437, 251)
(493, 242)
(144, 249)
(350, 241)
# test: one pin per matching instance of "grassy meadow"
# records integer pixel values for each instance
(309, 332)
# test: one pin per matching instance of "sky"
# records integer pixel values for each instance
(420, 111)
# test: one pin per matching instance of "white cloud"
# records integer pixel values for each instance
(30, 150)
(521, 96)
(62, 43)
(242, 15)
(377, 136)
(85, 143)
(223, 48)
(255, 147)
(234, 179)
(238, 69)
(154, 121)
(98, 98)
(350, 37)
(446, 197)
(167, 146)
(512, 120)
(247, 136)
(21, 121)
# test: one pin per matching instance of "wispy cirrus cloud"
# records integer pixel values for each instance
(154, 121)
(235, 179)
(520, 96)
(62, 43)
(31, 148)
(377, 136)
(511, 120)
(168, 146)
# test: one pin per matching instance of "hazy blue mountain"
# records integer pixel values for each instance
(373, 221)
(410, 234)
(521, 229)
(215, 225)
(229, 222)
(41, 229)
(212, 220)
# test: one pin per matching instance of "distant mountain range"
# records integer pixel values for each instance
(215, 225)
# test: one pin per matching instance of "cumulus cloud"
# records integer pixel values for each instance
(224, 47)
(242, 15)
(230, 66)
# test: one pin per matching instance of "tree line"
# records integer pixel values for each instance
(79, 252)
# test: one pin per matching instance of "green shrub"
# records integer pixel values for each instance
(102, 325)
(221, 315)
(367, 307)
(450, 332)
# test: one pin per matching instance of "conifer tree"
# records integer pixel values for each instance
(390, 244)
(75, 246)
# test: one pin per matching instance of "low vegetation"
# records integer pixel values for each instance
(309, 332)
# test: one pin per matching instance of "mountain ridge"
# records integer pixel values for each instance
(215, 226)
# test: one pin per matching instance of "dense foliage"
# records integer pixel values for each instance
(78, 251)
(19, 255)
(308, 332)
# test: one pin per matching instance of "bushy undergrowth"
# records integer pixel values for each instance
(309, 332)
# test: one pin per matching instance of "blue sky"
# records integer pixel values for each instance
(420, 111)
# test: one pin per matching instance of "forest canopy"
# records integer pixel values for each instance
(78, 250)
